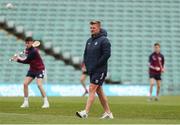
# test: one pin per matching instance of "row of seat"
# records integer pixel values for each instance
(133, 27)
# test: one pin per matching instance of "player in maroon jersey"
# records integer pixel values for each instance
(156, 67)
(36, 70)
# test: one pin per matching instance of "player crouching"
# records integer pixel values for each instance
(36, 70)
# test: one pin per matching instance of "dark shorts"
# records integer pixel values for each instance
(155, 76)
(97, 78)
(85, 73)
(39, 74)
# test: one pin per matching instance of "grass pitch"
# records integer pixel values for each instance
(126, 110)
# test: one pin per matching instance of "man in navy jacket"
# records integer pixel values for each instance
(96, 55)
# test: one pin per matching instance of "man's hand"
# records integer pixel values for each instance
(84, 68)
(157, 68)
(162, 70)
(14, 58)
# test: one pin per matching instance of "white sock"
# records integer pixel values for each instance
(150, 96)
(108, 112)
(45, 99)
(26, 99)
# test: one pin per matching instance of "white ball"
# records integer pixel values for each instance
(9, 6)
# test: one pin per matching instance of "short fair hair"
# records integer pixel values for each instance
(95, 22)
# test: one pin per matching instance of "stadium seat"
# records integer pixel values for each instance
(133, 27)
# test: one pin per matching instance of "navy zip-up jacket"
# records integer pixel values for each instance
(97, 53)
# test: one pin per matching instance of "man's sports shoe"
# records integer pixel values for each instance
(45, 105)
(150, 98)
(25, 104)
(107, 116)
(82, 114)
(156, 98)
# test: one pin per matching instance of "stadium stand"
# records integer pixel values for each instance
(133, 27)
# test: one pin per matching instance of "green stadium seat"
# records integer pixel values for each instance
(133, 27)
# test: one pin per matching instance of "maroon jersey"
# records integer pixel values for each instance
(33, 59)
(156, 60)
